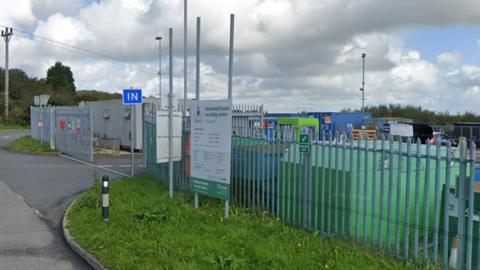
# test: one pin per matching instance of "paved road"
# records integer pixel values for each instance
(34, 193)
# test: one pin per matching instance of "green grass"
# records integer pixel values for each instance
(147, 230)
(5, 126)
(30, 146)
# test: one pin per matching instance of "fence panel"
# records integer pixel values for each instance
(417, 202)
(73, 132)
(397, 196)
(44, 134)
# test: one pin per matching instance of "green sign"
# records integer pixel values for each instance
(305, 144)
(210, 188)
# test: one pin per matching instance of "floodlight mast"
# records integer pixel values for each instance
(363, 81)
(159, 38)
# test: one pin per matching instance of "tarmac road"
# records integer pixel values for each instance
(34, 193)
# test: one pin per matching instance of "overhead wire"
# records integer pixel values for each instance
(75, 49)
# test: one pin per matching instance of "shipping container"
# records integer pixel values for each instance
(342, 121)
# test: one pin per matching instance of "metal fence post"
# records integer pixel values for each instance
(382, 188)
(351, 212)
(470, 188)
(436, 207)
(399, 200)
(417, 201)
(426, 204)
(316, 183)
(336, 207)
(461, 205)
(306, 170)
(365, 190)
(407, 200)
(390, 191)
(323, 206)
(344, 184)
(446, 197)
(374, 193)
(329, 186)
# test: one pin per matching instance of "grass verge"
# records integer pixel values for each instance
(5, 126)
(30, 146)
(147, 230)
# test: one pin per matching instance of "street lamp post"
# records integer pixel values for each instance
(363, 81)
(159, 68)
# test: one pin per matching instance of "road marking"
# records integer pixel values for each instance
(94, 165)
(5, 137)
(121, 166)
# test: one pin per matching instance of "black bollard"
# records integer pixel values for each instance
(105, 199)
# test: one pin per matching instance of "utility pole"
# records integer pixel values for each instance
(185, 94)
(363, 81)
(7, 35)
(159, 69)
(170, 112)
(197, 84)
(230, 56)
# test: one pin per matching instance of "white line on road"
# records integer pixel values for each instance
(121, 166)
(95, 166)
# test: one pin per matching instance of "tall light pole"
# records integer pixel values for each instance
(159, 69)
(363, 81)
(7, 35)
(185, 97)
(230, 56)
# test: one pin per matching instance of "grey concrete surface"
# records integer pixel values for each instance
(34, 193)
(26, 242)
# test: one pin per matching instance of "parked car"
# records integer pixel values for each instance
(422, 131)
(444, 139)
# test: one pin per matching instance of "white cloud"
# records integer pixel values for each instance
(64, 29)
(45, 8)
(289, 55)
(449, 58)
(17, 13)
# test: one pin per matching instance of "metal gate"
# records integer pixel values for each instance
(73, 132)
(43, 133)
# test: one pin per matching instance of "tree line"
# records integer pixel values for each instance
(419, 114)
(59, 83)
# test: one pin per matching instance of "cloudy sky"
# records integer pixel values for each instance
(290, 55)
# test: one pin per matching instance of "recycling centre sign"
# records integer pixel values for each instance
(211, 148)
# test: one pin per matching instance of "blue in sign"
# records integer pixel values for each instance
(132, 96)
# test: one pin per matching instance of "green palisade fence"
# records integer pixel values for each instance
(387, 194)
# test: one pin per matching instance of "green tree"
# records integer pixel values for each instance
(418, 114)
(60, 78)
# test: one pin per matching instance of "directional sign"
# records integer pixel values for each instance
(41, 100)
(132, 96)
(305, 144)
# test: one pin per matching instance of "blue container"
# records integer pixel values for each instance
(341, 121)
(477, 175)
(274, 116)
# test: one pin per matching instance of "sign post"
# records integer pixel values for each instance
(211, 148)
(132, 97)
(305, 144)
(305, 149)
(41, 101)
